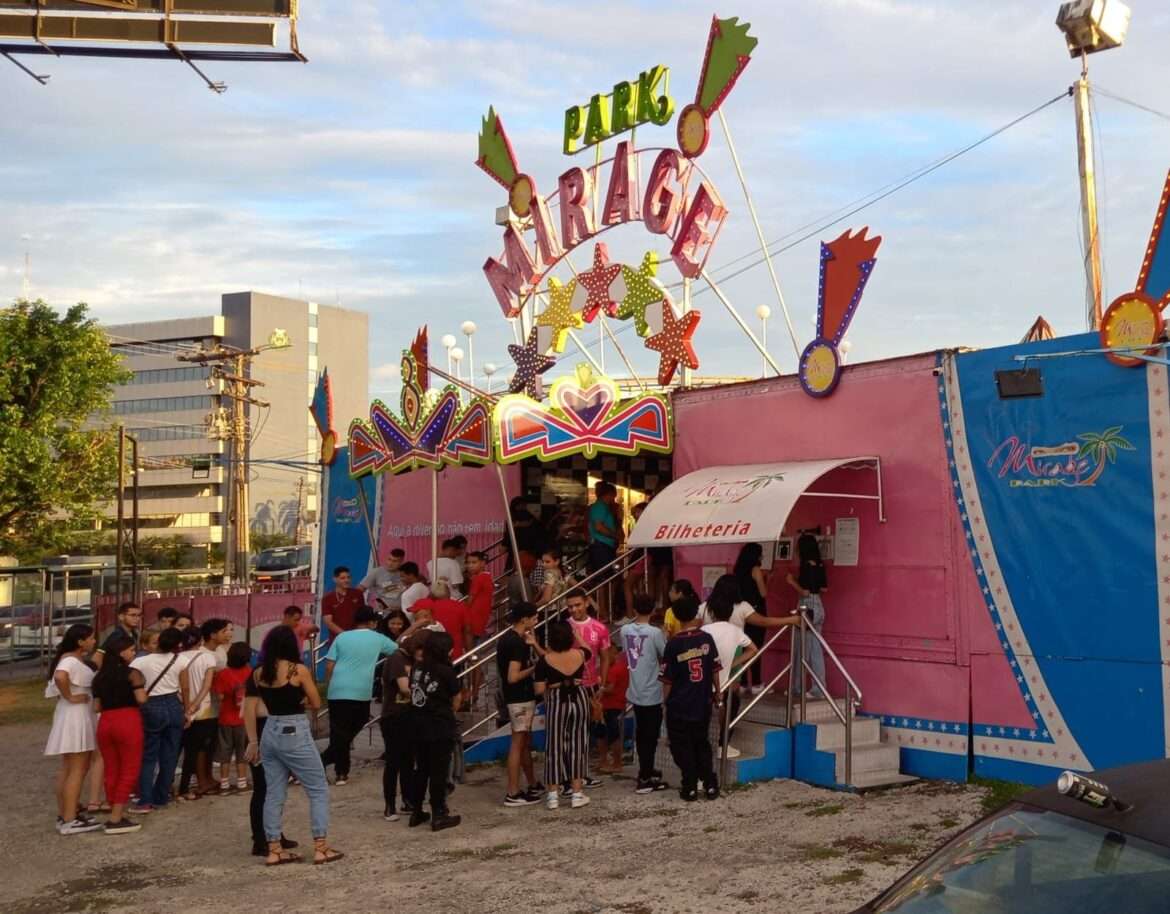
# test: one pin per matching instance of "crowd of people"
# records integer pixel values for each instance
(127, 710)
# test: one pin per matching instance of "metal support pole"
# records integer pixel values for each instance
(686, 305)
(121, 537)
(759, 233)
(621, 352)
(725, 738)
(793, 634)
(848, 732)
(803, 664)
(1088, 201)
(739, 320)
(365, 506)
(434, 524)
(135, 590)
(512, 533)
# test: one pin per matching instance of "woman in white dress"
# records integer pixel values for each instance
(73, 736)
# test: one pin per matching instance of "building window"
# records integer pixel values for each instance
(162, 404)
(312, 347)
(312, 316)
(170, 375)
(169, 433)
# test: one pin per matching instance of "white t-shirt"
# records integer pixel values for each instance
(412, 595)
(151, 665)
(450, 572)
(202, 659)
(728, 639)
(739, 614)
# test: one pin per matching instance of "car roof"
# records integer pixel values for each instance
(1143, 786)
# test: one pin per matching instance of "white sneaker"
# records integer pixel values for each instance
(80, 826)
(552, 802)
(579, 800)
(732, 752)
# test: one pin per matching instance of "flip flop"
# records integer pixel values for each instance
(282, 858)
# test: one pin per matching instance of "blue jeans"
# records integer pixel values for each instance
(162, 725)
(286, 748)
(815, 610)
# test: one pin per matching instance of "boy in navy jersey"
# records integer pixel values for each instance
(690, 685)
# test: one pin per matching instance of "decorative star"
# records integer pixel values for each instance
(641, 291)
(674, 344)
(596, 283)
(531, 363)
(559, 315)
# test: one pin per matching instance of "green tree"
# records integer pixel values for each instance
(58, 451)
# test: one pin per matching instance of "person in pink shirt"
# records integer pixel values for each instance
(302, 627)
(593, 635)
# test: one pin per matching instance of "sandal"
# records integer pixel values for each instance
(277, 856)
(189, 797)
(323, 853)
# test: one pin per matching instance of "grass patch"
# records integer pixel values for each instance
(710, 829)
(23, 701)
(808, 853)
(949, 822)
(827, 809)
(866, 851)
(847, 877)
(738, 787)
(998, 793)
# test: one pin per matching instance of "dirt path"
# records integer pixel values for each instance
(776, 846)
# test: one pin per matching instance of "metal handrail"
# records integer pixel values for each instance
(852, 691)
(732, 679)
(625, 558)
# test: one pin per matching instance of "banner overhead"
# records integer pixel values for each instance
(737, 504)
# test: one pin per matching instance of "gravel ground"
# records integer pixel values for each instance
(775, 846)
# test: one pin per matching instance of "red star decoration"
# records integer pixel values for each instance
(531, 363)
(674, 344)
(596, 283)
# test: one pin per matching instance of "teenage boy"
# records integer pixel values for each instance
(384, 583)
(516, 662)
(200, 737)
(603, 537)
(415, 589)
(735, 649)
(349, 673)
(645, 645)
(339, 607)
(448, 568)
(129, 622)
(294, 618)
(690, 686)
(479, 610)
(167, 616)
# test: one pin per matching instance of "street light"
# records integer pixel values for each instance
(763, 312)
(448, 341)
(456, 354)
(489, 369)
(843, 349)
(469, 328)
(1090, 26)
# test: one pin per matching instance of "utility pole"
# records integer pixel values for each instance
(135, 589)
(233, 366)
(120, 538)
(1080, 92)
(298, 529)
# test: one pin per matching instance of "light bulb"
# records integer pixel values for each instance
(456, 354)
(489, 368)
(448, 340)
(468, 328)
(763, 312)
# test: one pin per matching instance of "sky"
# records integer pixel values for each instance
(351, 180)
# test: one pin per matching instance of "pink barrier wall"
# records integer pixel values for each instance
(910, 595)
(470, 503)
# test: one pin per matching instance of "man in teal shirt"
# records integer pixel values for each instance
(603, 539)
(349, 674)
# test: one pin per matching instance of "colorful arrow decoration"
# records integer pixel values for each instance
(585, 416)
(729, 51)
(321, 409)
(434, 429)
(846, 265)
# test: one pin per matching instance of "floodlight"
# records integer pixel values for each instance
(1093, 25)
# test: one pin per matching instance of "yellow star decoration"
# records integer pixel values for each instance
(559, 315)
(641, 292)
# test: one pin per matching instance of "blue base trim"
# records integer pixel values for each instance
(776, 761)
(1021, 772)
(938, 766)
(810, 764)
(496, 747)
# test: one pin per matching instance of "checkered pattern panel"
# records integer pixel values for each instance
(567, 479)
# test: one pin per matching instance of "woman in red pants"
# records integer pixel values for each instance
(118, 691)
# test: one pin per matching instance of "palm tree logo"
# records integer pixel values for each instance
(1102, 447)
(756, 483)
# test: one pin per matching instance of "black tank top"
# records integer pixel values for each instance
(282, 700)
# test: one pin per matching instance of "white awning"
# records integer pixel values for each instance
(747, 503)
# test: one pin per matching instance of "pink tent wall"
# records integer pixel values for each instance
(908, 618)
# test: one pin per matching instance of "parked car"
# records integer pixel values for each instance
(1078, 847)
(282, 563)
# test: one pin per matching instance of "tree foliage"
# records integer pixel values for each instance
(58, 450)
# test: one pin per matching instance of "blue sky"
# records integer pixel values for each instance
(351, 179)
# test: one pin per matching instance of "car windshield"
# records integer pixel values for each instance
(1031, 861)
(276, 559)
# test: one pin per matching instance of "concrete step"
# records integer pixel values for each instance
(872, 780)
(867, 731)
(881, 757)
(772, 709)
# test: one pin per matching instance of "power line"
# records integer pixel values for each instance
(1128, 101)
(890, 190)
